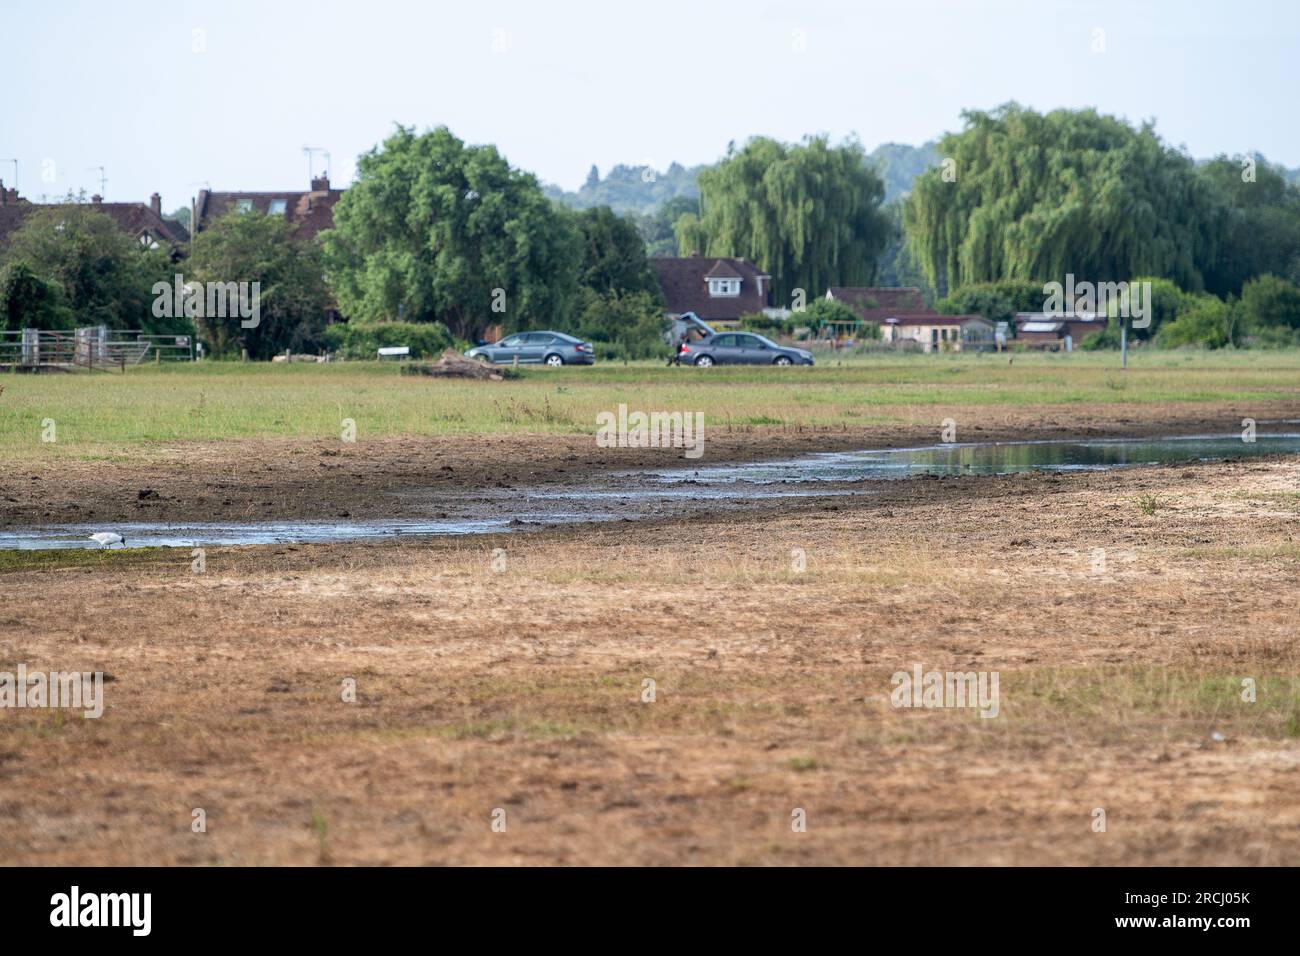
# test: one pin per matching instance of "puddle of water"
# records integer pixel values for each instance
(140, 535)
(631, 495)
(990, 458)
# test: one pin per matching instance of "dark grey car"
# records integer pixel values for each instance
(536, 348)
(742, 348)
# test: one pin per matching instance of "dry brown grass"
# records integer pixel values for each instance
(522, 690)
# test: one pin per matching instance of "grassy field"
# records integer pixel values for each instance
(105, 414)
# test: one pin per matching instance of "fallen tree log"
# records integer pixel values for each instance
(454, 365)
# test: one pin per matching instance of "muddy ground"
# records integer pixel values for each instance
(250, 480)
(1126, 614)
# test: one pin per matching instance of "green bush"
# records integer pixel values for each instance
(995, 301)
(1207, 322)
(626, 325)
(362, 340)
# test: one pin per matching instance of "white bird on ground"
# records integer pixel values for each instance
(106, 538)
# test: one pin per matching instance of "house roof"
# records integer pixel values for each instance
(1060, 317)
(722, 269)
(874, 304)
(933, 318)
(685, 286)
(311, 211)
(133, 218)
(1071, 323)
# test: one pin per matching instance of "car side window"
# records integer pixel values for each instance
(725, 341)
(749, 342)
(540, 338)
(511, 343)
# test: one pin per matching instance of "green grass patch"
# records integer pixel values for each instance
(106, 417)
(13, 559)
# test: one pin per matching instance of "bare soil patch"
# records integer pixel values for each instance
(522, 689)
(263, 479)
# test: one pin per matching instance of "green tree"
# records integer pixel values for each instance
(437, 231)
(809, 214)
(1261, 223)
(1269, 302)
(620, 324)
(292, 298)
(1207, 321)
(102, 276)
(657, 228)
(613, 253)
(898, 265)
(1167, 301)
(1023, 195)
(29, 301)
(995, 301)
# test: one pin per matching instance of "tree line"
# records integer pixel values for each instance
(437, 240)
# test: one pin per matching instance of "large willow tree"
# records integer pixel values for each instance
(808, 213)
(1022, 195)
(437, 231)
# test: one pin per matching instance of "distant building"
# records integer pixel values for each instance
(718, 290)
(1043, 330)
(932, 332)
(144, 223)
(310, 212)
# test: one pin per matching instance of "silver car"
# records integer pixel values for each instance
(741, 348)
(536, 348)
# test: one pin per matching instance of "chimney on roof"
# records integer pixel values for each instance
(97, 199)
(321, 183)
(155, 203)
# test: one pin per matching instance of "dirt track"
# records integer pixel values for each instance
(521, 689)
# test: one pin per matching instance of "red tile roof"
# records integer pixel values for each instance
(686, 289)
(312, 211)
(133, 218)
(875, 304)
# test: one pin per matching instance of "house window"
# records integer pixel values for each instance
(724, 287)
(277, 207)
(243, 205)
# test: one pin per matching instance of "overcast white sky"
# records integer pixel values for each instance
(132, 87)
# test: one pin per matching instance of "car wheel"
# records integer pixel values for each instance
(554, 361)
(704, 361)
(482, 358)
(783, 360)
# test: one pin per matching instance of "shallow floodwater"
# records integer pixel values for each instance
(632, 495)
(989, 458)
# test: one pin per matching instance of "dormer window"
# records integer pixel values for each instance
(277, 207)
(148, 241)
(724, 287)
(243, 205)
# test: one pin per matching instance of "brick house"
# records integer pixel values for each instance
(311, 212)
(144, 223)
(718, 290)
